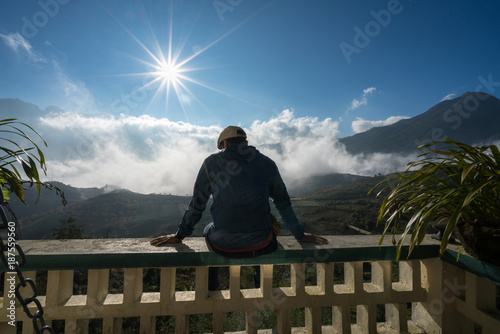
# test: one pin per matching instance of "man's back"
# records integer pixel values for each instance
(241, 184)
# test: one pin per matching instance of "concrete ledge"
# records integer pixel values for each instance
(479, 268)
(138, 253)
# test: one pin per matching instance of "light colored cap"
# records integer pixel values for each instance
(230, 132)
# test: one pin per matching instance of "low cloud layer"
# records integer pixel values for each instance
(362, 125)
(150, 155)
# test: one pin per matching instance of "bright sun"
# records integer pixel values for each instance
(171, 73)
(168, 72)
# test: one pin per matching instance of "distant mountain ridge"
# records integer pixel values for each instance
(316, 183)
(472, 118)
(116, 213)
(21, 110)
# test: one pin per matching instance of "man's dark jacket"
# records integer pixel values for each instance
(241, 180)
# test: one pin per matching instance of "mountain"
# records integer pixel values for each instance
(318, 182)
(25, 111)
(472, 118)
(19, 109)
(345, 208)
(117, 213)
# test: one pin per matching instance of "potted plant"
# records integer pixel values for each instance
(454, 183)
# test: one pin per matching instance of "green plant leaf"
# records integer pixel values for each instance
(30, 158)
(467, 170)
(456, 182)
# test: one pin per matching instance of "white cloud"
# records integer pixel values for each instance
(448, 97)
(369, 90)
(362, 125)
(78, 97)
(18, 43)
(363, 100)
(306, 146)
(151, 155)
(143, 154)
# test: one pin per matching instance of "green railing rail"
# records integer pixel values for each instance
(138, 253)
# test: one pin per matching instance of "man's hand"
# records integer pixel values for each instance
(165, 239)
(315, 239)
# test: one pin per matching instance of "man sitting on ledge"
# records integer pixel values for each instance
(240, 180)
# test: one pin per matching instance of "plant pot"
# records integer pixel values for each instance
(480, 241)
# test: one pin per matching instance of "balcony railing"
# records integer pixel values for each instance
(347, 286)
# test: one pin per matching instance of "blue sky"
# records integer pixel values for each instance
(354, 64)
(267, 56)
